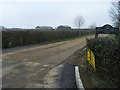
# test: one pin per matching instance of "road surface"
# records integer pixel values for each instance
(26, 68)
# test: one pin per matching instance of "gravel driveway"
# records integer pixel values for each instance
(36, 67)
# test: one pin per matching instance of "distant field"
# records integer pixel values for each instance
(18, 38)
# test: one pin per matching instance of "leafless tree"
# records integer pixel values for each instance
(115, 13)
(79, 21)
(92, 26)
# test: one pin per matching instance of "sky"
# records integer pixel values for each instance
(32, 13)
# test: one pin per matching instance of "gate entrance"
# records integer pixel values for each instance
(106, 29)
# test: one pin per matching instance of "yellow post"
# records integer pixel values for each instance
(91, 59)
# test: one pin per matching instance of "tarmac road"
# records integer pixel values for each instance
(26, 68)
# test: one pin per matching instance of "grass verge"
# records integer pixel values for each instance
(68, 39)
(111, 36)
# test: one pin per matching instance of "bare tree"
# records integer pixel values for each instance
(92, 26)
(79, 21)
(115, 13)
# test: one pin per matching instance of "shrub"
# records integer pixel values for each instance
(17, 38)
(106, 52)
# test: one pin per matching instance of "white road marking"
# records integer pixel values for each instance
(78, 79)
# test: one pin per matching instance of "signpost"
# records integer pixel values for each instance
(91, 59)
(106, 29)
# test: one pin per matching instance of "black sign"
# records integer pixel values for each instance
(107, 29)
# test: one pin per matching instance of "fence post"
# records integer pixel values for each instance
(96, 35)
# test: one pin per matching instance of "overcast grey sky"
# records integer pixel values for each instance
(30, 13)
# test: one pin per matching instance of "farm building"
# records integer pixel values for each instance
(43, 27)
(63, 27)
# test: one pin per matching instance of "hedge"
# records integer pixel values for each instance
(107, 51)
(18, 38)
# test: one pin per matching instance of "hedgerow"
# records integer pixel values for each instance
(107, 51)
(17, 38)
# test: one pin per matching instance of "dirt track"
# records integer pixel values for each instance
(27, 67)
